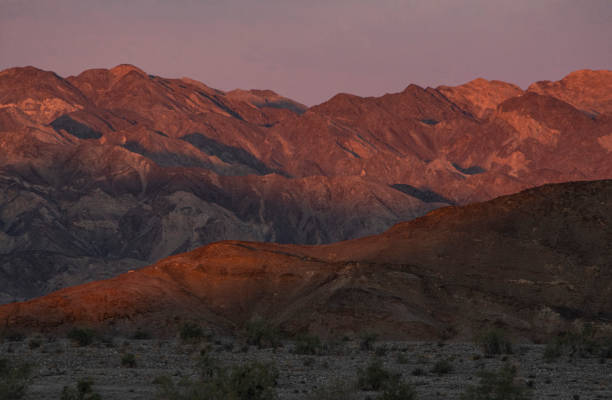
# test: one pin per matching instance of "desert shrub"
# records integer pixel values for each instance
(308, 362)
(336, 390)
(396, 389)
(373, 377)
(402, 358)
(367, 341)
(83, 390)
(207, 365)
(494, 341)
(583, 343)
(14, 380)
(606, 348)
(141, 335)
(262, 334)
(252, 381)
(81, 336)
(191, 332)
(552, 351)
(308, 345)
(498, 385)
(442, 367)
(381, 351)
(128, 360)
(13, 336)
(34, 343)
(162, 380)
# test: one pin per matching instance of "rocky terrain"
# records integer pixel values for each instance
(115, 169)
(534, 263)
(331, 375)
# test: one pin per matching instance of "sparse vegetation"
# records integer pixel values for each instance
(402, 358)
(14, 380)
(442, 367)
(141, 335)
(262, 334)
(128, 360)
(309, 362)
(381, 351)
(337, 390)
(494, 341)
(81, 336)
(367, 341)
(13, 336)
(373, 377)
(251, 381)
(34, 343)
(191, 332)
(308, 345)
(82, 391)
(396, 389)
(583, 343)
(498, 385)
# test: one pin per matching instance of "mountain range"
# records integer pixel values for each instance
(533, 263)
(112, 170)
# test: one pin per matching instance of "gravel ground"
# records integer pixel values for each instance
(58, 363)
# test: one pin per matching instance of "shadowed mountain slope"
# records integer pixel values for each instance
(533, 263)
(115, 167)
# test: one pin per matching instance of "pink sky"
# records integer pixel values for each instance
(311, 50)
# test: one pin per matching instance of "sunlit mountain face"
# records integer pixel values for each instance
(112, 170)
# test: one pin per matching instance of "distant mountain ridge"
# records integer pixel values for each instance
(114, 169)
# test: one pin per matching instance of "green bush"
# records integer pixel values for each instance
(81, 336)
(442, 367)
(396, 389)
(308, 345)
(14, 380)
(191, 332)
(494, 341)
(128, 360)
(499, 385)
(374, 377)
(262, 334)
(82, 391)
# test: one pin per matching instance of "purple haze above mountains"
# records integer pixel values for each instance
(311, 50)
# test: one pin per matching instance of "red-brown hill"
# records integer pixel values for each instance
(533, 263)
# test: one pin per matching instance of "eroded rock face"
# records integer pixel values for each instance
(533, 263)
(588, 90)
(116, 167)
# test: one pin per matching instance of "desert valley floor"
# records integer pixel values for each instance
(60, 363)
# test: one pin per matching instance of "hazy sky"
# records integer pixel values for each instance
(310, 49)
